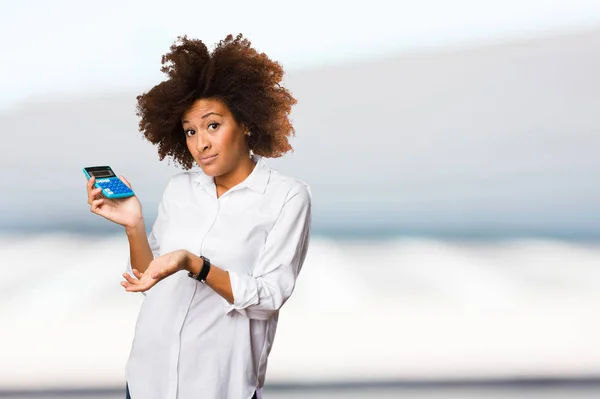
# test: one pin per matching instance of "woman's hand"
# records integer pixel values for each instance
(159, 268)
(124, 211)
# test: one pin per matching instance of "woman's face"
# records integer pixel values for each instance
(213, 137)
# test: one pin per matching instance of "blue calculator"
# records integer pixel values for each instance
(111, 185)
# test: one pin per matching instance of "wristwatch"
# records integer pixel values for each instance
(201, 276)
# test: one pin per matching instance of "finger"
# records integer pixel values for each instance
(90, 184)
(158, 274)
(128, 284)
(137, 287)
(91, 188)
(94, 194)
(133, 287)
(129, 279)
(137, 273)
(96, 204)
(124, 180)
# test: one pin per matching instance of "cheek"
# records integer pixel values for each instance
(226, 141)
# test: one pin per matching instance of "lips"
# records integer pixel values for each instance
(208, 159)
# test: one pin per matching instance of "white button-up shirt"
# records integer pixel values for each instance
(190, 343)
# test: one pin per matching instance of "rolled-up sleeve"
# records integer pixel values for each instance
(158, 228)
(261, 295)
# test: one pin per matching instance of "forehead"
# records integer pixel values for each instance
(203, 106)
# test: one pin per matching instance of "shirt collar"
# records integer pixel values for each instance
(257, 180)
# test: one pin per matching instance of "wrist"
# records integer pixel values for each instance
(139, 227)
(188, 262)
(198, 268)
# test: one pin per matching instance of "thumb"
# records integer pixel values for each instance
(124, 180)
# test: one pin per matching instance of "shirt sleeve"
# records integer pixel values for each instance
(156, 233)
(261, 295)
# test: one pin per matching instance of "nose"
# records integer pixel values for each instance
(201, 142)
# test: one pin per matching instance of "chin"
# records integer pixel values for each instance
(209, 170)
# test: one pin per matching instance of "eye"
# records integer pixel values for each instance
(214, 124)
(187, 131)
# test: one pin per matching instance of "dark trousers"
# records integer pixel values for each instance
(129, 396)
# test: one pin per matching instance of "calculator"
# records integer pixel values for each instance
(111, 185)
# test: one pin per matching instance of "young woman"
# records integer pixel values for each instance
(229, 241)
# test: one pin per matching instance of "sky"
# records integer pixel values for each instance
(66, 47)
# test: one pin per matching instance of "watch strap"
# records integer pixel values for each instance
(201, 276)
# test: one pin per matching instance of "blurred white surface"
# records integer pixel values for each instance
(369, 311)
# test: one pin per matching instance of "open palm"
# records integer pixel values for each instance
(158, 269)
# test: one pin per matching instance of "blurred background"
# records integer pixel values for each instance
(452, 152)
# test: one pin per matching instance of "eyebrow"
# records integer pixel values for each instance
(203, 116)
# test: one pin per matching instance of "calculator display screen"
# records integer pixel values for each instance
(101, 173)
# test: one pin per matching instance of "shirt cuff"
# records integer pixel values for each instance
(245, 292)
